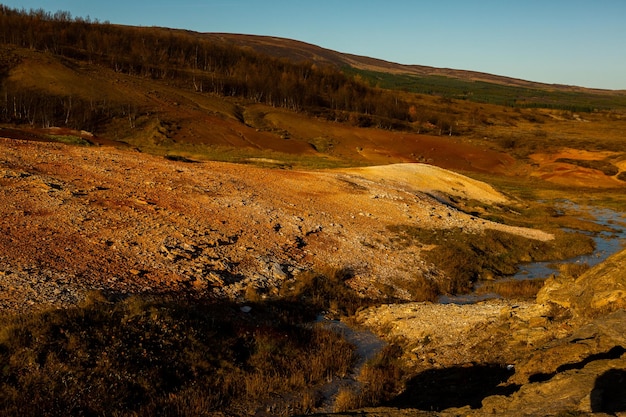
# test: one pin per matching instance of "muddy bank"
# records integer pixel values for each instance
(610, 240)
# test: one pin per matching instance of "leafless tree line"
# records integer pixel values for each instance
(184, 59)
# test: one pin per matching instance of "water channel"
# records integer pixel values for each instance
(367, 346)
(607, 242)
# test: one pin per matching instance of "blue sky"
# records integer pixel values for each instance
(572, 42)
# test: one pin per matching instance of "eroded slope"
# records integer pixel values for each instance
(81, 218)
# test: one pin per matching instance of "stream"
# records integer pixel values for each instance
(606, 242)
(367, 346)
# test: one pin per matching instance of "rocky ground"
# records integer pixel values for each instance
(75, 219)
(563, 354)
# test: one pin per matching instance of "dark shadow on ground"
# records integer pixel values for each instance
(439, 389)
(609, 392)
(614, 353)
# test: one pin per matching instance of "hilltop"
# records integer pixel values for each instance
(302, 51)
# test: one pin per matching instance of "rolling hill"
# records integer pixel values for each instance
(180, 209)
(285, 103)
(302, 51)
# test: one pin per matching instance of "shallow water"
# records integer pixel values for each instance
(606, 244)
(367, 346)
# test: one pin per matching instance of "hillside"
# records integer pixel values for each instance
(301, 51)
(79, 219)
(209, 96)
(162, 118)
(214, 228)
(445, 82)
(238, 225)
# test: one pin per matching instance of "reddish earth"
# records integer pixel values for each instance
(74, 219)
(550, 167)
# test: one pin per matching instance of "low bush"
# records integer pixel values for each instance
(138, 357)
(573, 270)
(325, 291)
(383, 377)
(468, 257)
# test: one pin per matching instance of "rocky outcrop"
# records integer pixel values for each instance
(565, 353)
(598, 291)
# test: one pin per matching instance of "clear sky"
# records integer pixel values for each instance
(576, 42)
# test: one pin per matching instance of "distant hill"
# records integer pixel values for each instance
(302, 51)
(450, 83)
(288, 103)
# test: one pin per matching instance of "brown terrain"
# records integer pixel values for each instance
(76, 219)
(193, 194)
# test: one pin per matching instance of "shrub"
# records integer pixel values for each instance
(513, 288)
(326, 291)
(467, 257)
(162, 357)
(382, 377)
(346, 399)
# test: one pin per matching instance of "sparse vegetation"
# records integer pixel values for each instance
(485, 92)
(513, 289)
(606, 167)
(383, 377)
(380, 380)
(145, 357)
(70, 140)
(466, 258)
(326, 291)
(178, 355)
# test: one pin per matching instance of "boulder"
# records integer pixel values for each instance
(599, 291)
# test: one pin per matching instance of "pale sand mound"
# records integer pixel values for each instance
(429, 178)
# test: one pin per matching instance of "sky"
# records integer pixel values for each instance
(573, 42)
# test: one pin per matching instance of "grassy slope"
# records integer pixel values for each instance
(490, 92)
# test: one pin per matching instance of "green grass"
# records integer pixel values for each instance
(484, 92)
